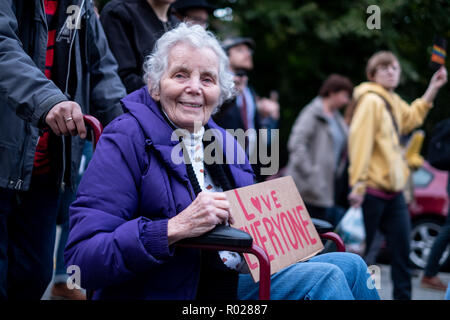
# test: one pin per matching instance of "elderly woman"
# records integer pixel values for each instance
(136, 199)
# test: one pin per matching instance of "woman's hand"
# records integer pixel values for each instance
(208, 210)
(355, 200)
(438, 79)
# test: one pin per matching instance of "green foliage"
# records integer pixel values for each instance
(299, 43)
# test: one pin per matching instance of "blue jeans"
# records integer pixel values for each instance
(331, 276)
(27, 238)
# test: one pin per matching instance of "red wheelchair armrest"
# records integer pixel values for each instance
(227, 238)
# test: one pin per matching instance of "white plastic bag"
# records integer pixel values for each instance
(351, 230)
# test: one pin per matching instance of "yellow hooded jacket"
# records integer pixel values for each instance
(376, 157)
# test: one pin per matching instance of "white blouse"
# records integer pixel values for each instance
(194, 146)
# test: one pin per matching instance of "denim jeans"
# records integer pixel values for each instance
(27, 237)
(391, 217)
(331, 276)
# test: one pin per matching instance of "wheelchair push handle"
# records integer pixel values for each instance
(96, 127)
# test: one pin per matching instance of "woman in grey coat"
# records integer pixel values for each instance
(317, 145)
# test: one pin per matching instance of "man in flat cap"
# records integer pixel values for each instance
(194, 11)
(247, 110)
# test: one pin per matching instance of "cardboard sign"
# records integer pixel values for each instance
(274, 214)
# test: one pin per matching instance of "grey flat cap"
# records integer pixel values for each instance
(232, 42)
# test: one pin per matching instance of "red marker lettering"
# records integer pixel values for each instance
(262, 239)
(272, 234)
(250, 216)
(283, 219)
(305, 223)
(278, 226)
(275, 199)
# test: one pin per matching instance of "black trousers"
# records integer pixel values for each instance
(317, 212)
(27, 239)
(439, 245)
(391, 217)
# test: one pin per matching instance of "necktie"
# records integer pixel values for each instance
(244, 112)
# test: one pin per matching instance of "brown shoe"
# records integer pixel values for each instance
(433, 283)
(60, 291)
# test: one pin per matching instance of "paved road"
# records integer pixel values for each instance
(418, 293)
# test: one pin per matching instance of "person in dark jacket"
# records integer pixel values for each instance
(132, 28)
(247, 111)
(139, 196)
(55, 66)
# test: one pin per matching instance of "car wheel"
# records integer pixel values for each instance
(423, 234)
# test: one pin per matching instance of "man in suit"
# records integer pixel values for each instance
(247, 111)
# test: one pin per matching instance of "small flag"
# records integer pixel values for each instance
(438, 53)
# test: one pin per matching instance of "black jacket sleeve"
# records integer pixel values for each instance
(24, 85)
(118, 27)
(106, 86)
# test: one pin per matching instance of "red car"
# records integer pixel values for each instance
(428, 212)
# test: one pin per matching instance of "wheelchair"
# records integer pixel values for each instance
(231, 239)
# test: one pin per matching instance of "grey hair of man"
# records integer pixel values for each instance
(156, 63)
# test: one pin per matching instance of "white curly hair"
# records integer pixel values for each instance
(157, 62)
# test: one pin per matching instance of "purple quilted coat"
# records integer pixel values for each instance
(118, 223)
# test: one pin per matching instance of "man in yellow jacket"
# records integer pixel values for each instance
(378, 170)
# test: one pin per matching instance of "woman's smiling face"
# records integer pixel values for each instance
(189, 88)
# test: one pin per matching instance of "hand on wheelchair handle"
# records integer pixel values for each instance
(66, 118)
